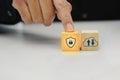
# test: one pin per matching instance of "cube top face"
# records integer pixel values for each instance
(70, 41)
(90, 31)
(90, 40)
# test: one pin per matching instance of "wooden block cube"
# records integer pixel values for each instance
(90, 40)
(71, 41)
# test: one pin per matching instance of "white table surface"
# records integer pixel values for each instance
(32, 52)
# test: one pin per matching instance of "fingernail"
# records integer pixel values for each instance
(69, 27)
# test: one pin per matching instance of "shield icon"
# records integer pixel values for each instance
(70, 42)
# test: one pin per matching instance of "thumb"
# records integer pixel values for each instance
(64, 14)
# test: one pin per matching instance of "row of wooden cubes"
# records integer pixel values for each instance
(87, 40)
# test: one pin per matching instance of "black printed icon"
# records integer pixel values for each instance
(93, 42)
(70, 42)
(90, 42)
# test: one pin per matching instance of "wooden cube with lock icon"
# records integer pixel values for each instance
(71, 41)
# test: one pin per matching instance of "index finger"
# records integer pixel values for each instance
(64, 13)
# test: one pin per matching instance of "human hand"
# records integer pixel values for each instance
(44, 11)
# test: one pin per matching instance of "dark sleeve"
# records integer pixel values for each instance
(8, 15)
(95, 9)
(82, 10)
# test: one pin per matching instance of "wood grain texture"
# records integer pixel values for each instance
(90, 40)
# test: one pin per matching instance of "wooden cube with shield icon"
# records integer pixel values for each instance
(71, 41)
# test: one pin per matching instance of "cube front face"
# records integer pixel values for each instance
(71, 41)
(90, 40)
